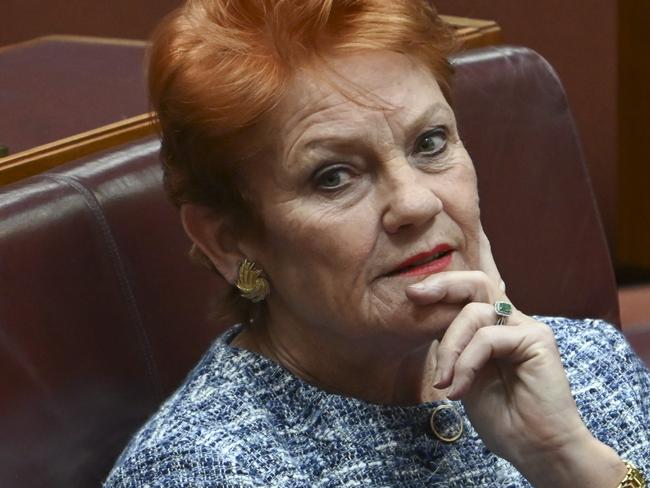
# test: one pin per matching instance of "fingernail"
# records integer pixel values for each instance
(441, 377)
(438, 377)
(418, 287)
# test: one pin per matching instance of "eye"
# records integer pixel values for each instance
(432, 143)
(333, 178)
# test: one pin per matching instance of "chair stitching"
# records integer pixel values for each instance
(120, 270)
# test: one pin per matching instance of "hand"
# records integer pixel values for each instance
(510, 378)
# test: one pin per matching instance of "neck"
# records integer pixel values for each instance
(392, 373)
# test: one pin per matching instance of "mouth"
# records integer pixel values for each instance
(425, 263)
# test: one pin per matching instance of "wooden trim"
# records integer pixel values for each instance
(473, 33)
(15, 45)
(75, 38)
(41, 158)
(95, 40)
(459, 22)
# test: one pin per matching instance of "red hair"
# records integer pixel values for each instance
(218, 66)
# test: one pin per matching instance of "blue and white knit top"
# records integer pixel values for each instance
(241, 420)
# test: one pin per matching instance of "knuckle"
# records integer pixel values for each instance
(466, 369)
(545, 331)
(449, 350)
(483, 334)
(480, 276)
(484, 285)
(548, 333)
(477, 308)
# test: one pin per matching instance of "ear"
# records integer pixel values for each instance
(212, 233)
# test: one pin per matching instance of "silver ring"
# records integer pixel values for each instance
(503, 310)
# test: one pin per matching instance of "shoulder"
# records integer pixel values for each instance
(204, 434)
(198, 449)
(177, 465)
(182, 446)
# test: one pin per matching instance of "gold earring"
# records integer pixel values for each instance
(250, 284)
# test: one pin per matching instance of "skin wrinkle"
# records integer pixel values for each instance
(304, 117)
(362, 94)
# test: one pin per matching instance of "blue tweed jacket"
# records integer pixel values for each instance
(241, 420)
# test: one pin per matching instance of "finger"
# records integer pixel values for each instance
(454, 287)
(486, 260)
(517, 345)
(472, 317)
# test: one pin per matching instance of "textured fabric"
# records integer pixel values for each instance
(242, 420)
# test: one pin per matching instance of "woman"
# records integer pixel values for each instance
(316, 161)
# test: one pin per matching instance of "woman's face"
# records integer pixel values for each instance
(361, 196)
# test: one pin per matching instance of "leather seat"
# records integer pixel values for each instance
(101, 314)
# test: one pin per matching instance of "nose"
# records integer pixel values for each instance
(410, 198)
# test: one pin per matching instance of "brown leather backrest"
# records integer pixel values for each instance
(101, 314)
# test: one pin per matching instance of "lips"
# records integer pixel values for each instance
(433, 261)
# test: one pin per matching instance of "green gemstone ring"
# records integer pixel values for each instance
(503, 310)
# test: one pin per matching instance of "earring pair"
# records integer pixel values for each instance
(250, 282)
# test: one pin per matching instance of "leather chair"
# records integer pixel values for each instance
(101, 314)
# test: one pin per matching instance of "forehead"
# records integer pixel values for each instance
(353, 88)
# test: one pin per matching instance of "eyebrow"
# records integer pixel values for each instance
(345, 139)
(425, 117)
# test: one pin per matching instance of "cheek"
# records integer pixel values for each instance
(462, 205)
(318, 262)
(328, 243)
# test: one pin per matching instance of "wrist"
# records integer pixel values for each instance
(587, 462)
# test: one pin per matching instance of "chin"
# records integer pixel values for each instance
(434, 320)
(421, 325)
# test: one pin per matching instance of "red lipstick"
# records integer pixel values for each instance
(426, 263)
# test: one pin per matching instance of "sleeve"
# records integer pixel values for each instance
(611, 386)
